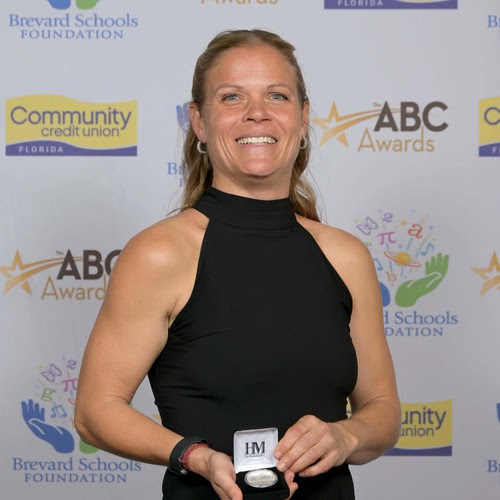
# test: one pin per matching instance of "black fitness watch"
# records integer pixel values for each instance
(176, 456)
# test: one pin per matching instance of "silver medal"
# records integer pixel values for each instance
(261, 478)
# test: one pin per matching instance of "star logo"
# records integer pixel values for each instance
(19, 272)
(490, 274)
(336, 124)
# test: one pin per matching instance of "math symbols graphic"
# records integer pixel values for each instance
(405, 255)
(49, 414)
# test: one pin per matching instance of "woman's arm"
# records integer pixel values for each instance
(129, 333)
(312, 446)
(146, 291)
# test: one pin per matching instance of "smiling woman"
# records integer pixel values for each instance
(243, 309)
(254, 73)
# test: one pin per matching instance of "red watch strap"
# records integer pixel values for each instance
(185, 456)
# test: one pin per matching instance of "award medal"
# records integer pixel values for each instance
(261, 478)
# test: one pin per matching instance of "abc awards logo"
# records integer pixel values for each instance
(426, 430)
(489, 127)
(51, 125)
(399, 130)
(410, 267)
(95, 271)
(48, 417)
(391, 4)
(74, 25)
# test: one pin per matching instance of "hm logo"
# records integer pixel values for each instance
(254, 449)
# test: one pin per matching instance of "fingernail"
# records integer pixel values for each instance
(281, 466)
(278, 454)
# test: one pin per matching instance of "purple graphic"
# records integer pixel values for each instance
(55, 148)
(490, 150)
(444, 451)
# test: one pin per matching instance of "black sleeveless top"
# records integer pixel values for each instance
(262, 341)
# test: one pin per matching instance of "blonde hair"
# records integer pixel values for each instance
(197, 168)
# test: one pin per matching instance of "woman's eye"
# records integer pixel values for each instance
(278, 97)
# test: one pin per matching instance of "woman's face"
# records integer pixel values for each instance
(252, 120)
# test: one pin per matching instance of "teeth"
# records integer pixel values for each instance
(256, 140)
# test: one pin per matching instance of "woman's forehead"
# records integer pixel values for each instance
(251, 63)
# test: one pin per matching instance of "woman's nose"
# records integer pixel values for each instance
(257, 110)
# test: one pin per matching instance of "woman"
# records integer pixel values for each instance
(244, 309)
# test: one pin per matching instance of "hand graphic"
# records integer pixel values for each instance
(87, 448)
(183, 117)
(410, 291)
(86, 4)
(60, 438)
(60, 4)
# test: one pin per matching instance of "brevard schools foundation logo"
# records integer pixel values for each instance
(493, 464)
(77, 24)
(409, 267)
(391, 4)
(48, 416)
(426, 430)
(489, 127)
(174, 168)
(410, 127)
(68, 281)
(52, 125)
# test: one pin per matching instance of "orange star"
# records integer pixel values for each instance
(490, 281)
(17, 277)
(342, 123)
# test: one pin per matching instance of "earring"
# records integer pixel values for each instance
(303, 145)
(200, 149)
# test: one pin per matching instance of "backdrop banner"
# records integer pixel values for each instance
(405, 128)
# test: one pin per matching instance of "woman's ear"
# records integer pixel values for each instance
(197, 122)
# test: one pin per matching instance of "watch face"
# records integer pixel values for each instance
(261, 478)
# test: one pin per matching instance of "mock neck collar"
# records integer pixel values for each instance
(245, 212)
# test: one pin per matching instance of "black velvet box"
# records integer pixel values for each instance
(255, 465)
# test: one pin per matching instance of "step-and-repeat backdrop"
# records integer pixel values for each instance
(406, 131)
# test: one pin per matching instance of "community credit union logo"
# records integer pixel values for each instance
(63, 23)
(49, 417)
(426, 430)
(51, 125)
(409, 267)
(400, 129)
(95, 271)
(391, 4)
(489, 127)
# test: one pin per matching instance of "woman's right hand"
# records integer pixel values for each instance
(217, 468)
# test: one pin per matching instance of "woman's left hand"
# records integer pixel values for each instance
(311, 447)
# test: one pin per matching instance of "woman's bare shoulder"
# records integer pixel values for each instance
(347, 254)
(168, 244)
(335, 242)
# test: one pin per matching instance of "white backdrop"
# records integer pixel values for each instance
(419, 192)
